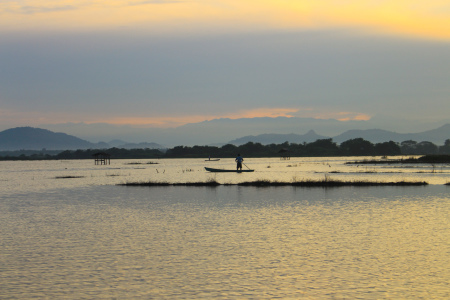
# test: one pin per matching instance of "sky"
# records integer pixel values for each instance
(163, 64)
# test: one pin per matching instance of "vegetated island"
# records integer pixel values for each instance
(426, 159)
(319, 148)
(269, 183)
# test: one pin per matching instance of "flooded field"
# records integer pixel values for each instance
(68, 231)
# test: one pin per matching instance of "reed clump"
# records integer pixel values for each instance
(210, 182)
(142, 163)
(327, 182)
(426, 159)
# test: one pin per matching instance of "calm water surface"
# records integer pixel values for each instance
(85, 238)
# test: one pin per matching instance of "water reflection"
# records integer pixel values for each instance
(226, 243)
(27, 177)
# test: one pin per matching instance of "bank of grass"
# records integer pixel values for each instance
(267, 183)
(142, 163)
(210, 182)
(426, 159)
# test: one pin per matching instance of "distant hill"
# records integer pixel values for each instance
(29, 138)
(220, 131)
(140, 146)
(116, 143)
(437, 136)
(373, 135)
(274, 138)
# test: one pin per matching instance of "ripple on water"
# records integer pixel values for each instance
(226, 243)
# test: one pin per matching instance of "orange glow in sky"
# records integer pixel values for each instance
(424, 22)
(427, 19)
(174, 121)
(35, 118)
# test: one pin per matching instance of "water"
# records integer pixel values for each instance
(85, 238)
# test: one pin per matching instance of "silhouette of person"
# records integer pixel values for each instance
(239, 161)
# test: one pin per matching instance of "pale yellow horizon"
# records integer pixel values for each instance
(414, 18)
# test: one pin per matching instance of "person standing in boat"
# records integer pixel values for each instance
(239, 161)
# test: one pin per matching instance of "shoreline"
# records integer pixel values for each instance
(268, 183)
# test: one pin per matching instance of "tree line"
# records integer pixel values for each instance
(319, 148)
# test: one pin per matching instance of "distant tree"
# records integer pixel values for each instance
(294, 149)
(357, 147)
(388, 148)
(285, 145)
(250, 148)
(274, 147)
(446, 148)
(408, 147)
(427, 148)
(228, 150)
(64, 155)
(322, 147)
(177, 151)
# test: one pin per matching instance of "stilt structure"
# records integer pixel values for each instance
(284, 154)
(102, 158)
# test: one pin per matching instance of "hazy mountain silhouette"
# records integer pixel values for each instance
(141, 146)
(274, 138)
(116, 143)
(29, 138)
(438, 135)
(122, 144)
(220, 131)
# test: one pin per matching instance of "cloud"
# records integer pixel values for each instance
(180, 119)
(330, 113)
(134, 3)
(32, 118)
(15, 118)
(35, 9)
(31, 7)
(261, 112)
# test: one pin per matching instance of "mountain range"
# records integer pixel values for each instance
(273, 138)
(223, 130)
(29, 138)
(438, 136)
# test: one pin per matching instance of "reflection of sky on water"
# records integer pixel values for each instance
(227, 242)
(28, 176)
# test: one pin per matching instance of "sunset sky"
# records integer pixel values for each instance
(167, 63)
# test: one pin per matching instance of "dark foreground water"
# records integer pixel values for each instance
(226, 243)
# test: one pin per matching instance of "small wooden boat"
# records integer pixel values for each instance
(215, 159)
(223, 170)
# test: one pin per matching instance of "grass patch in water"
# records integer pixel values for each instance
(211, 182)
(142, 163)
(426, 159)
(266, 183)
